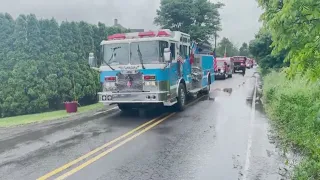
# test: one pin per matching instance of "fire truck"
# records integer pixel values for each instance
(240, 64)
(152, 68)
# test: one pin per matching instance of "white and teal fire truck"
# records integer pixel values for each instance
(152, 68)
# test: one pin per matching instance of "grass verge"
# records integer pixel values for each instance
(47, 116)
(294, 108)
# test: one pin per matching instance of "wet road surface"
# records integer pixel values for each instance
(220, 136)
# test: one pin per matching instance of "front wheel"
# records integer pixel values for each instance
(208, 88)
(243, 72)
(181, 97)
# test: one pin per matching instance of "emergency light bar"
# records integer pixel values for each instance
(160, 33)
(117, 36)
(147, 34)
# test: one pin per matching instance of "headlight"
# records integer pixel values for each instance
(109, 84)
(150, 83)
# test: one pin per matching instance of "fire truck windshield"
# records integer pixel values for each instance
(145, 51)
(117, 53)
(220, 63)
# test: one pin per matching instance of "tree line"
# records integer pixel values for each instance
(228, 47)
(44, 63)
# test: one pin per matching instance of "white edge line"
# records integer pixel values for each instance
(105, 111)
(252, 118)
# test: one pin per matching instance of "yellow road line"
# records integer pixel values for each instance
(46, 176)
(90, 161)
(64, 167)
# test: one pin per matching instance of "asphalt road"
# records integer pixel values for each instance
(222, 136)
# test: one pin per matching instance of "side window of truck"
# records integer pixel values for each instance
(184, 51)
(163, 45)
(173, 50)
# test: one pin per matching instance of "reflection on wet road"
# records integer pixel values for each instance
(219, 136)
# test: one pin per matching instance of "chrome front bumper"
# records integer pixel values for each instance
(134, 97)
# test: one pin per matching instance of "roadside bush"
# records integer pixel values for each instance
(294, 108)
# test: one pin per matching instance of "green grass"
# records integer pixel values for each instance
(47, 116)
(294, 108)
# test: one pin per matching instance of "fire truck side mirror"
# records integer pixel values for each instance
(167, 54)
(92, 61)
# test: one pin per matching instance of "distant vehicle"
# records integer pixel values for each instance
(147, 69)
(224, 68)
(240, 64)
(249, 63)
(254, 62)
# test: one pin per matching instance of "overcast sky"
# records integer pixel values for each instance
(239, 17)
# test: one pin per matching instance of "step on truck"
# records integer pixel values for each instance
(154, 68)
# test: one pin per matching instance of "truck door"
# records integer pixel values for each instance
(173, 71)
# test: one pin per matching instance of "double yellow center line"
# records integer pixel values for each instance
(145, 127)
(67, 168)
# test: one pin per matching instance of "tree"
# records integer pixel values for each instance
(294, 26)
(87, 37)
(261, 49)
(199, 18)
(225, 45)
(244, 50)
(41, 63)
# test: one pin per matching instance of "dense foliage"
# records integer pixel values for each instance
(226, 46)
(43, 64)
(199, 18)
(294, 107)
(295, 26)
(244, 50)
(260, 48)
(290, 38)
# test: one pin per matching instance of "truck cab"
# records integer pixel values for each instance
(224, 67)
(143, 69)
(240, 64)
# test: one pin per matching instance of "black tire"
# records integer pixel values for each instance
(244, 72)
(207, 90)
(224, 76)
(230, 75)
(180, 106)
(124, 107)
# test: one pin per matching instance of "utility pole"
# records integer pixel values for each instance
(215, 44)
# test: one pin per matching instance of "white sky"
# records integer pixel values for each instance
(239, 17)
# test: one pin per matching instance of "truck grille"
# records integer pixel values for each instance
(129, 82)
(237, 63)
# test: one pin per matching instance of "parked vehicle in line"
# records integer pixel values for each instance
(240, 64)
(254, 62)
(224, 68)
(249, 63)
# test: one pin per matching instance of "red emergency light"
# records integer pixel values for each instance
(149, 77)
(147, 34)
(110, 78)
(163, 33)
(117, 36)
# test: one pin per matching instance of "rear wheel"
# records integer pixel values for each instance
(124, 107)
(181, 97)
